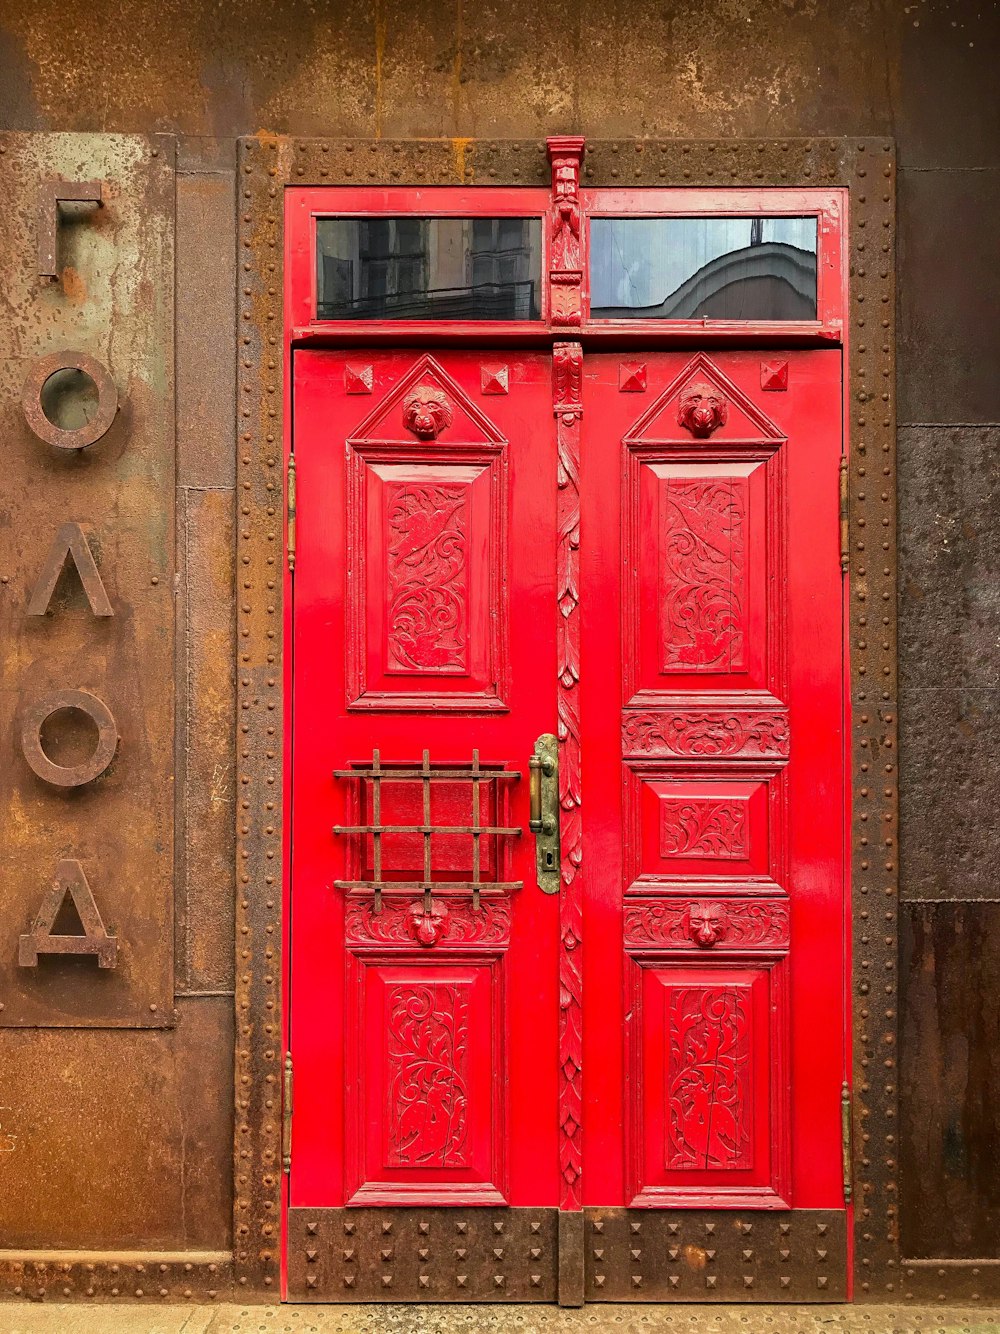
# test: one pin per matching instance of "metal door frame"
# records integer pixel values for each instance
(866, 168)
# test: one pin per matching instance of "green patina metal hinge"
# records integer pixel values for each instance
(544, 812)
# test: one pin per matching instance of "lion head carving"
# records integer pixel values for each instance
(707, 923)
(426, 412)
(702, 409)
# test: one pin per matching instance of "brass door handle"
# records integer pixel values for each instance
(543, 813)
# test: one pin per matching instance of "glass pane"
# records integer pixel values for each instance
(703, 268)
(409, 268)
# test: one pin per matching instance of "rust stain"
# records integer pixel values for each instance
(695, 1256)
(74, 286)
(456, 67)
(460, 148)
(381, 30)
(269, 137)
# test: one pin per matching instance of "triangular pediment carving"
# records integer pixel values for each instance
(427, 406)
(702, 405)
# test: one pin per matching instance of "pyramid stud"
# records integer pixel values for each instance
(632, 377)
(495, 379)
(774, 376)
(358, 379)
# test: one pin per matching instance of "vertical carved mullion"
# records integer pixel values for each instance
(567, 238)
(568, 408)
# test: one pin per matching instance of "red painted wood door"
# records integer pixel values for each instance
(693, 667)
(423, 1024)
(713, 780)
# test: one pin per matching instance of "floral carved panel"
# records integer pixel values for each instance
(709, 1079)
(427, 598)
(692, 827)
(427, 1033)
(697, 733)
(426, 1071)
(703, 574)
(705, 923)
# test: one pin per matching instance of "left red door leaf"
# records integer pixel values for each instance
(423, 1006)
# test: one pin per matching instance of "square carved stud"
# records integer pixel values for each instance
(495, 379)
(632, 377)
(358, 379)
(774, 376)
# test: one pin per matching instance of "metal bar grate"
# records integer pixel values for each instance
(375, 773)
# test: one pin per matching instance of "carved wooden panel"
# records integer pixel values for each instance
(719, 828)
(707, 1060)
(709, 1080)
(427, 1075)
(425, 1087)
(743, 924)
(694, 732)
(703, 574)
(427, 597)
(702, 522)
(704, 827)
(698, 548)
(426, 528)
(404, 923)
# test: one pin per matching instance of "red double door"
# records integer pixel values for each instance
(628, 1088)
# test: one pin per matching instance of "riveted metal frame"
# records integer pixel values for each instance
(866, 167)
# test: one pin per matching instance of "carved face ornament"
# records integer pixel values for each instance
(565, 175)
(702, 409)
(426, 412)
(707, 924)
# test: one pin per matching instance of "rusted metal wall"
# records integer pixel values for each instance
(151, 1111)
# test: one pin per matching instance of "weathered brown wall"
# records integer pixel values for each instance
(923, 72)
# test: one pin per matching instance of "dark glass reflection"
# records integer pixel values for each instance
(410, 268)
(703, 268)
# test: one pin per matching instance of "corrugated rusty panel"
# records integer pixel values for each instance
(949, 336)
(949, 846)
(117, 1140)
(949, 554)
(112, 299)
(944, 93)
(206, 413)
(950, 1081)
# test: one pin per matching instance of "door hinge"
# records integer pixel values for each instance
(845, 1141)
(290, 505)
(844, 515)
(286, 1115)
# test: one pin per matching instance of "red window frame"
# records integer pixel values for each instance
(304, 205)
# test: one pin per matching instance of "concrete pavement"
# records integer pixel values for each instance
(26, 1318)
